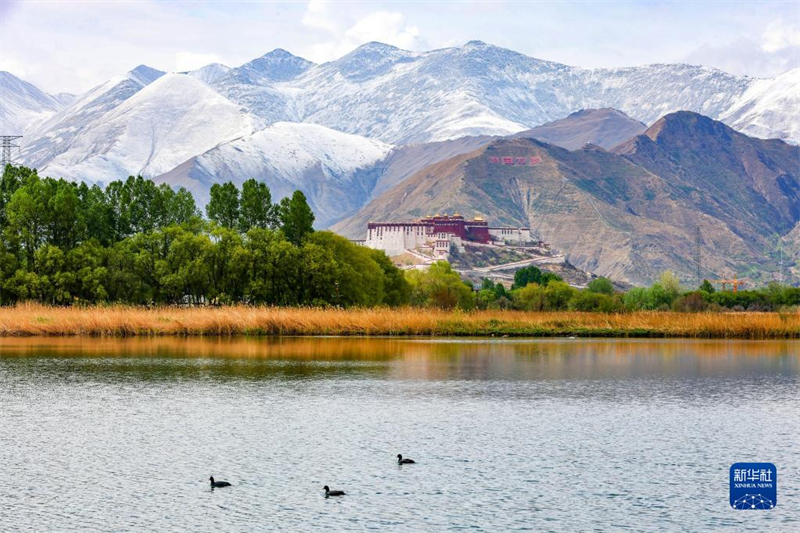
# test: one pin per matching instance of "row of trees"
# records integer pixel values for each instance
(534, 290)
(135, 242)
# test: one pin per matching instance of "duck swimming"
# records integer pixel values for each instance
(218, 484)
(402, 461)
(329, 492)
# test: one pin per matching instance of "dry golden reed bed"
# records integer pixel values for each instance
(38, 320)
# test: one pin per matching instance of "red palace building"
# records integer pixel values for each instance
(439, 232)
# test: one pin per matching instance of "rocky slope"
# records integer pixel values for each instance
(602, 127)
(627, 214)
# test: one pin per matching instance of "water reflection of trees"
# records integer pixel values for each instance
(403, 358)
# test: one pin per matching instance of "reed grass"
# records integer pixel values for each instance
(124, 321)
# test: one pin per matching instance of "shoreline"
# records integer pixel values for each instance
(33, 320)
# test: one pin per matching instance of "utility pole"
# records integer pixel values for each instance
(7, 143)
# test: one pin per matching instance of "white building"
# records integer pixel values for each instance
(435, 235)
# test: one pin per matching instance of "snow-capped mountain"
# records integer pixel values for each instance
(335, 170)
(209, 73)
(153, 131)
(23, 105)
(769, 108)
(146, 122)
(58, 133)
(262, 86)
(398, 96)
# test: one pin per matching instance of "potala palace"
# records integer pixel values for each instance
(434, 236)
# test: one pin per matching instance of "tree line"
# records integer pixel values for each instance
(135, 242)
(140, 243)
(534, 290)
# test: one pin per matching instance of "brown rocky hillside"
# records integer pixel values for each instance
(606, 128)
(627, 214)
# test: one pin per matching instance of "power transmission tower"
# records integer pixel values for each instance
(7, 143)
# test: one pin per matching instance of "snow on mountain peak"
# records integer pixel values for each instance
(371, 59)
(209, 73)
(769, 107)
(275, 66)
(381, 92)
(144, 75)
(23, 104)
(334, 169)
(164, 124)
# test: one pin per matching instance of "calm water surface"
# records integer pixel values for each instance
(544, 435)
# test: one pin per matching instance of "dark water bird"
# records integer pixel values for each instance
(218, 484)
(402, 461)
(329, 492)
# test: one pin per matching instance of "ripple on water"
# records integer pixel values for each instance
(523, 435)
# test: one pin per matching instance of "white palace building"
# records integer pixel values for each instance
(437, 234)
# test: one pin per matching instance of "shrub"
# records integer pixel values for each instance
(601, 286)
(693, 302)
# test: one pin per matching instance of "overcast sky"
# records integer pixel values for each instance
(71, 46)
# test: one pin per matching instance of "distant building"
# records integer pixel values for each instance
(437, 234)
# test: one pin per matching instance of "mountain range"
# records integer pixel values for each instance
(353, 132)
(687, 184)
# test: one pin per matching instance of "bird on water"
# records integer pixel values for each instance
(402, 461)
(329, 492)
(218, 484)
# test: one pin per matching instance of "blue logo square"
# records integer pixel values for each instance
(754, 486)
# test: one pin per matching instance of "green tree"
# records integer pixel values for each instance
(530, 298)
(27, 218)
(557, 295)
(396, 289)
(353, 275)
(186, 274)
(527, 275)
(297, 219)
(601, 286)
(88, 262)
(441, 287)
(96, 214)
(638, 299)
(8, 266)
(274, 268)
(223, 207)
(66, 226)
(707, 287)
(257, 209)
(227, 261)
(594, 302)
(12, 179)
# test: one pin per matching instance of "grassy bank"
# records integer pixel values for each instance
(37, 320)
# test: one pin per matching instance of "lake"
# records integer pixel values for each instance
(508, 434)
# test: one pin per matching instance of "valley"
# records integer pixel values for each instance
(643, 169)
